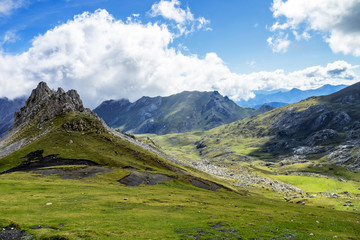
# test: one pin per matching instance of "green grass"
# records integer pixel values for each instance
(90, 209)
(320, 184)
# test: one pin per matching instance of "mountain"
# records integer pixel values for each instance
(183, 112)
(66, 175)
(324, 128)
(287, 97)
(7, 110)
(54, 129)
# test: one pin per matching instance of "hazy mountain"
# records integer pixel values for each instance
(281, 97)
(183, 112)
(7, 110)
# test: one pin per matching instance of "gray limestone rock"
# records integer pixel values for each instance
(46, 104)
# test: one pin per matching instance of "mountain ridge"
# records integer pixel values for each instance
(287, 97)
(182, 112)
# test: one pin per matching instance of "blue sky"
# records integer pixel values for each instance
(233, 46)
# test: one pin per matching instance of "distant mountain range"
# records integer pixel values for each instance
(279, 98)
(7, 110)
(323, 128)
(183, 112)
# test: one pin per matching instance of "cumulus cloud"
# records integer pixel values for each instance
(105, 58)
(338, 21)
(184, 19)
(7, 6)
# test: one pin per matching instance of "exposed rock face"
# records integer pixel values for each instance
(47, 104)
(322, 137)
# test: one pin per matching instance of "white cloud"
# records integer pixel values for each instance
(105, 58)
(9, 37)
(7, 6)
(279, 44)
(184, 19)
(338, 21)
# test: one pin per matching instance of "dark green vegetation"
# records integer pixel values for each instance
(183, 112)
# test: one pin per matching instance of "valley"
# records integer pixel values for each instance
(67, 175)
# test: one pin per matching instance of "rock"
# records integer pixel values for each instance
(351, 205)
(302, 202)
(340, 120)
(48, 204)
(45, 104)
(353, 134)
(322, 137)
(200, 144)
(269, 164)
(71, 141)
(334, 195)
(348, 201)
(341, 154)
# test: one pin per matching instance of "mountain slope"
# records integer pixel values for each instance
(69, 176)
(183, 112)
(287, 97)
(54, 128)
(7, 110)
(317, 136)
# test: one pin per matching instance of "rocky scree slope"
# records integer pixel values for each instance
(326, 126)
(7, 110)
(183, 112)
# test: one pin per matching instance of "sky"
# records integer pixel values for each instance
(113, 49)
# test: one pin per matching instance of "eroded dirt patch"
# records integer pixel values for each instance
(200, 183)
(74, 173)
(35, 160)
(136, 178)
(52, 164)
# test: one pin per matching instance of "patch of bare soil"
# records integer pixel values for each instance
(42, 165)
(74, 173)
(200, 183)
(35, 160)
(136, 178)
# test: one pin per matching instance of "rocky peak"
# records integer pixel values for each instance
(45, 104)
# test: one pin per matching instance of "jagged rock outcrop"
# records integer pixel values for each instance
(45, 104)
